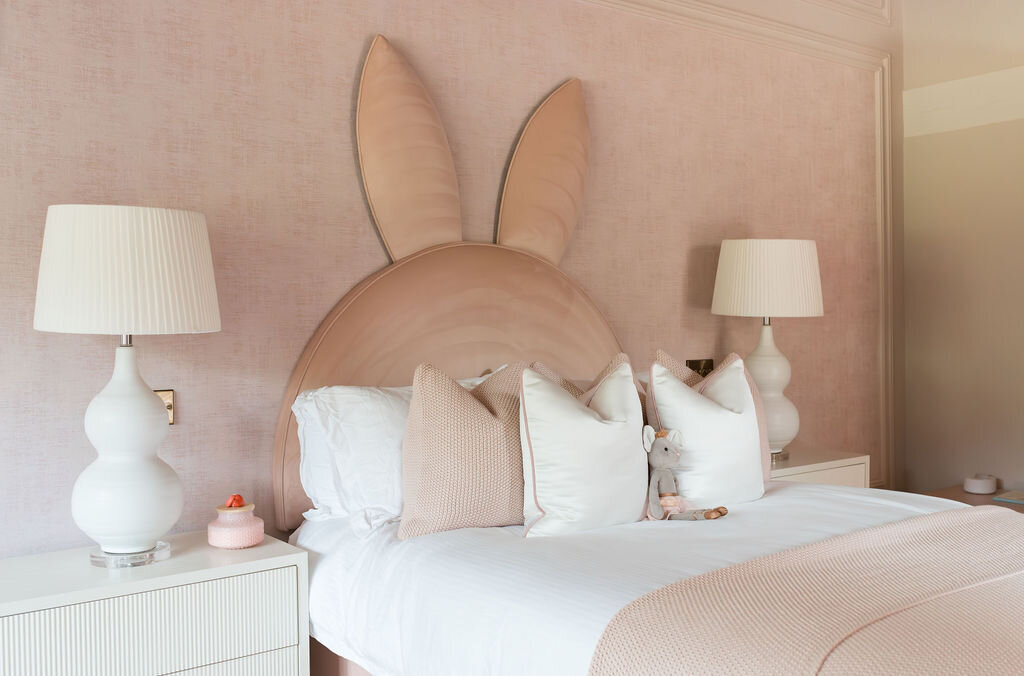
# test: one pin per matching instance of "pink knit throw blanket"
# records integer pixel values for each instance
(935, 594)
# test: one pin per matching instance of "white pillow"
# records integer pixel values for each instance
(717, 418)
(351, 449)
(584, 464)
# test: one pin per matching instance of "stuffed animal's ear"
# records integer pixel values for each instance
(407, 166)
(543, 193)
(648, 437)
(675, 438)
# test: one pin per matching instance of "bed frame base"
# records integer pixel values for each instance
(322, 662)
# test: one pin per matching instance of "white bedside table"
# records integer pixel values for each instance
(206, 611)
(824, 467)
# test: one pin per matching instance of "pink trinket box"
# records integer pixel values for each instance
(235, 528)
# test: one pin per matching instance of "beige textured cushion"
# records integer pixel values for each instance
(462, 464)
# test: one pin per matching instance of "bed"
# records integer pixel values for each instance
(746, 594)
(478, 601)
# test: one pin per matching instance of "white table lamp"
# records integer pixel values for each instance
(126, 271)
(770, 278)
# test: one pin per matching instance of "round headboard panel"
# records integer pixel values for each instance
(464, 307)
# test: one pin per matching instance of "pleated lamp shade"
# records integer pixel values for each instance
(125, 270)
(768, 278)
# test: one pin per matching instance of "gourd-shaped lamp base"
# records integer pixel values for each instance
(128, 497)
(771, 372)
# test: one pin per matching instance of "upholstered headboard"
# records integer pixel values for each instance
(465, 307)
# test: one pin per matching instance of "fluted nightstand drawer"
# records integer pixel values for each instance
(159, 631)
(229, 611)
(283, 662)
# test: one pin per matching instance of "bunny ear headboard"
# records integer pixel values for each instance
(463, 306)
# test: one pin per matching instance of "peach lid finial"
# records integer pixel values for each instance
(236, 503)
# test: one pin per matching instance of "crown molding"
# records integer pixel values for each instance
(745, 26)
(877, 11)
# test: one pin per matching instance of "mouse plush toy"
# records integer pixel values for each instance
(663, 502)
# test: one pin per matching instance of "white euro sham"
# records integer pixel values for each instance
(721, 462)
(351, 449)
(584, 464)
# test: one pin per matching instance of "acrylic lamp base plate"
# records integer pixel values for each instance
(103, 559)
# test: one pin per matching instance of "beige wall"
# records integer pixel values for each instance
(705, 125)
(964, 168)
(952, 39)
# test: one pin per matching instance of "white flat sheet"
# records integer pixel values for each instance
(487, 601)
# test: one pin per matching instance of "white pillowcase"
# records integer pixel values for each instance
(721, 461)
(351, 449)
(584, 464)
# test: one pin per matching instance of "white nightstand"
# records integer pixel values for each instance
(203, 611)
(824, 467)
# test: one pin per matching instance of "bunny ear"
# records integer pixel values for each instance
(407, 166)
(543, 192)
(648, 437)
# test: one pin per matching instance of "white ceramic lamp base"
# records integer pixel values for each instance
(771, 372)
(128, 497)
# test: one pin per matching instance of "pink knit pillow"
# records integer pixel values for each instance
(462, 464)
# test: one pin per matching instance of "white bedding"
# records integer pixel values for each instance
(487, 601)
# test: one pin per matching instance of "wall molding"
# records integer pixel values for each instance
(745, 26)
(878, 11)
(987, 98)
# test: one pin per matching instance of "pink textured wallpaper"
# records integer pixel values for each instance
(243, 111)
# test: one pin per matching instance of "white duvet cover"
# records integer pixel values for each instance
(488, 601)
